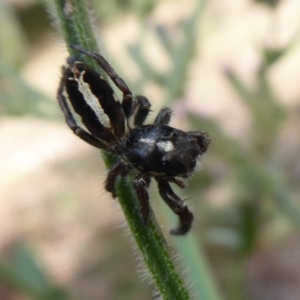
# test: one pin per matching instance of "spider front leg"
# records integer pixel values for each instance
(119, 82)
(70, 120)
(177, 205)
(140, 105)
(120, 168)
(140, 184)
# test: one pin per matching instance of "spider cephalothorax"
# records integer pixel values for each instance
(155, 150)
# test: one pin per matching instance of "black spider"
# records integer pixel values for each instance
(156, 150)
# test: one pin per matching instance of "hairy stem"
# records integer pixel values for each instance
(74, 23)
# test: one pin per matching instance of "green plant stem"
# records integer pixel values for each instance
(191, 254)
(76, 29)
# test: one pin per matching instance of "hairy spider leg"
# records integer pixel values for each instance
(163, 117)
(79, 131)
(140, 105)
(177, 206)
(140, 184)
(142, 110)
(119, 168)
(127, 102)
(178, 182)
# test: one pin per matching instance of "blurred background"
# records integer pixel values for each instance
(230, 68)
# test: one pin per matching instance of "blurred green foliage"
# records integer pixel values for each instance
(22, 271)
(257, 179)
(17, 97)
(269, 3)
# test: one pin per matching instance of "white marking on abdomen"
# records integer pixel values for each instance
(165, 146)
(147, 141)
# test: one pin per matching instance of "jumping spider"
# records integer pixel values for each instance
(155, 150)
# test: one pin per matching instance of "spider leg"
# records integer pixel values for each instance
(140, 184)
(79, 131)
(178, 182)
(142, 110)
(119, 168)
(177, 206)
(163, 117)
(119, 82)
